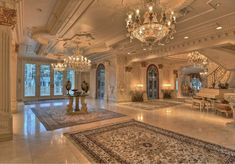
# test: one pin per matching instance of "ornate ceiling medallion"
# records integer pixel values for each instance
(151, 25)
(7, 16)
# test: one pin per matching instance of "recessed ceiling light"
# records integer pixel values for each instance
(144, 49)
(128, 53)
(186, 37)
(218, 26)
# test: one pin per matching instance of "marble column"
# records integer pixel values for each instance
(92, 90)
(180, 78)
(142, 81)
(20, 75)
(5, 84)
(7, 23)
(5, 74)
(13, 78)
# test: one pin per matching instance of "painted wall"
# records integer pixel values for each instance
(139, 76)
(110, 65)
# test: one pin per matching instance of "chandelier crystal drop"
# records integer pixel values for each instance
(197, 59)
(151, 25)
(78, 62)
(59, 66)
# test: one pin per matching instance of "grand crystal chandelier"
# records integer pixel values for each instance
(78, 62)
(197, 59)
(153, 24)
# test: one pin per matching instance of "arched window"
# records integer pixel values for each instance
(152, 82)
(100, 81)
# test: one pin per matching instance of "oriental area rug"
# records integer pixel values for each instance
(150, 105)
(58, 118)
(136, 142)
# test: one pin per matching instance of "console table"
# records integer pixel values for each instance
(77, 110)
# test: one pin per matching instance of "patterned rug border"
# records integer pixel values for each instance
(169, 133)
(125, 105)
(48, 128)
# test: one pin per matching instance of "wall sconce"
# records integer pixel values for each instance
(139, 87)
(167, 85)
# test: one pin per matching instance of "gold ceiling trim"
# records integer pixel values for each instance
(7, 16)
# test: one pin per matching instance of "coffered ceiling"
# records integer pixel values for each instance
(99, 27)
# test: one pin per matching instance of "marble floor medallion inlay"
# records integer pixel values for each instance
(58, 118)
(137, 142)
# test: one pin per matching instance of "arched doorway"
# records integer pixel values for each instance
(100, 81)
(152, 82)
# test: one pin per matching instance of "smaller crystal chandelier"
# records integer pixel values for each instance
(197, 59)
(78, 62)
(59, 66)
(204, 72)
(151, 25)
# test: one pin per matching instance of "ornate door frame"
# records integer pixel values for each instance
(100, 67)
(150, 67)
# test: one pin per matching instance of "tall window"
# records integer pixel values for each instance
(58, 83)
(71, 77)
(44, 80)
(30, 80)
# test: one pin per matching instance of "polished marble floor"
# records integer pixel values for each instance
(32, 143)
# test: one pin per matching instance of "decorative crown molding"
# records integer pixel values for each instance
(7, 16)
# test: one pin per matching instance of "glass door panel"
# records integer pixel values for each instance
(44, 80)
(58, 83)
(152, 82)
(71, 78)
(30, 80)
(100, 84)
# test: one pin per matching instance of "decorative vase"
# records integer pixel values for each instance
(85, 86)
(68, 86)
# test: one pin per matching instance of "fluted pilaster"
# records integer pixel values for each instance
(5, 50)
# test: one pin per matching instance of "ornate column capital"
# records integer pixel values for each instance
(7, 17)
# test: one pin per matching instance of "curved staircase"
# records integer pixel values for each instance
(219, 75)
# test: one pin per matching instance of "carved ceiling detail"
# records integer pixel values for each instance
(229, 47)
(72, 23)
(79, 40)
